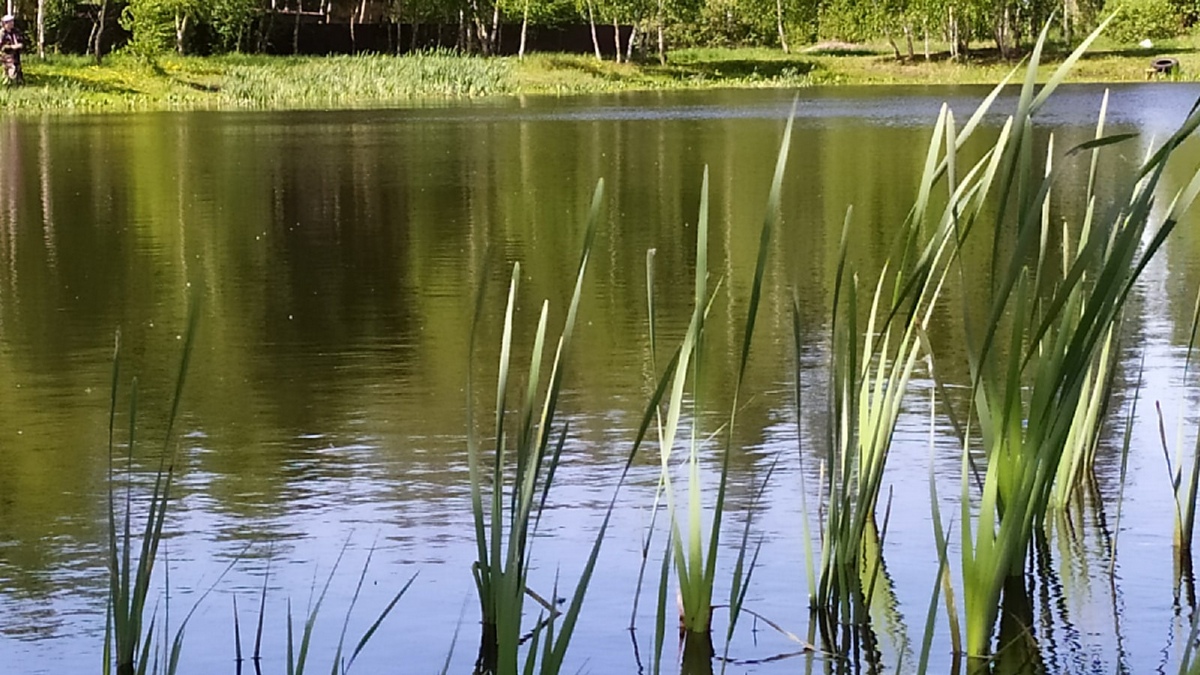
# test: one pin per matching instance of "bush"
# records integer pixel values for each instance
(1142, 19)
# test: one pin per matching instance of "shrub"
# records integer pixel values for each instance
(1141, 19)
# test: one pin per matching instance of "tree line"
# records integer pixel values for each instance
(910, 27)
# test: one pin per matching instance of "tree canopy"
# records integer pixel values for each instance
(909, 26)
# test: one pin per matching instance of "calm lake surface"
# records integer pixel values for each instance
(337, 256)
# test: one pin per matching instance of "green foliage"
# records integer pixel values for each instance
(849, 20)
(1138, 20)
(231, 19)
(151, 24)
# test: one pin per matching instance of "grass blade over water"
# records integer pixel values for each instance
(129, 580)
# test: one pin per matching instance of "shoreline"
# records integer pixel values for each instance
(124, 84)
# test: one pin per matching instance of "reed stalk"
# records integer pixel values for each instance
(1184, 483)
(297, 660)
(1076, 467)
(129, 632)
(693, 552)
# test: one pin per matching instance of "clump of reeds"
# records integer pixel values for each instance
(521, 473)
(692, 552)
(340, 81)
(871, 366)
(1043, 331)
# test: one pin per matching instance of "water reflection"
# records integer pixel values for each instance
(336, 254)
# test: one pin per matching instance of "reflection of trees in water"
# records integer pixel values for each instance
(337, 257)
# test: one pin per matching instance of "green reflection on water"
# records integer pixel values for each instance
(337, 254)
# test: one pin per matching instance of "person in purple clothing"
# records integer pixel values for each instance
(12, 43)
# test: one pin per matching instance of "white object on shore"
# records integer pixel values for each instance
(1146, 44)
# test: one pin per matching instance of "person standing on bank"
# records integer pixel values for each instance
(12, 43)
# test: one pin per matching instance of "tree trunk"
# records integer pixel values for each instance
(494, 38)
(617, 39)
(100, 32)
(908, 38)
(629, 45)
(264, 29)
(356, 17)
(1002, 29)
(779, 26)
(464, 35)
(181, 23)
(662, 45)
(416, 30)
(481, 31)
(895, 47)
(1067, 22)
(296, 29)
(524, 31)
(592, 24)
(41, 29)
(925, 28)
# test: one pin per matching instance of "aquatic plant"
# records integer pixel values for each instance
(504, 526)
(1030, 357)
(871, 366)
(340, 81)
(129, 633)
(297, 659)
(693, 555)
(1077, 465)
(1183, 486)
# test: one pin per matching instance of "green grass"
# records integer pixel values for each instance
(126, 83)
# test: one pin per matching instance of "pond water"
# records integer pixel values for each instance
(336, 256)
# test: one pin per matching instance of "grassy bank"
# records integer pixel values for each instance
(126, 83)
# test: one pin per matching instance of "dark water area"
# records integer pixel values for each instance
(337, 255)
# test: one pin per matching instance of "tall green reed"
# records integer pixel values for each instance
(504, 527)
(871, 365)
(1183, 485)
(693, 554)
(1076, 466)
(129, 632)
(1030, 356)
(521, 472)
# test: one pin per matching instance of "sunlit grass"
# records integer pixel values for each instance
(348, 81)
(124, 83)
